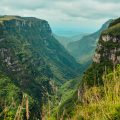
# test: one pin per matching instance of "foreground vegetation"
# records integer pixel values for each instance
(101, 102)
(98, 102)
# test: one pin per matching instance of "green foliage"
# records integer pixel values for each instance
(114, 22)
(101, 102)
(68, 89)
(113, 30)
(84, 48)
(30, 58)
(98, 94)
(8, 90)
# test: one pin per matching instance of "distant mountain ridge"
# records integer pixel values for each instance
(84, 48)
(65, 40)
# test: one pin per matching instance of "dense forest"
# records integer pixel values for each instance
(42, 79)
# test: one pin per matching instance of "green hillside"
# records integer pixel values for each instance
(32, 64)
(97, 97)
(39, 79)
(84, 48)
(65, 40)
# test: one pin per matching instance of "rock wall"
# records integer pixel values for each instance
(108, 49)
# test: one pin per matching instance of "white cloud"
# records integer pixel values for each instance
(65, 13)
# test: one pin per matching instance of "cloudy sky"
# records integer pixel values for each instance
(65, 15)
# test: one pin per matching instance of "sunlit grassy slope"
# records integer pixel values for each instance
(97, 102)
(101, 102)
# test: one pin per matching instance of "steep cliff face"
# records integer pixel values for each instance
(30, 60)
(107, 54)
(106, 59)
(22, 67)
(38, 35)
(108, 48)
(100, 82)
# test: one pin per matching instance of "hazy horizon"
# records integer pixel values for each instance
(65, 16)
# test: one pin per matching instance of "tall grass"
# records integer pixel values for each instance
(101, 102)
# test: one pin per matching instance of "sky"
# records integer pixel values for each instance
(65, 16)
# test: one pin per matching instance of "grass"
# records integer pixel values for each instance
(8, 17)
(99, 102)
(102, 102)
(114, 30)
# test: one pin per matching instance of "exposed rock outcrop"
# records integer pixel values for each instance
(108, 48)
